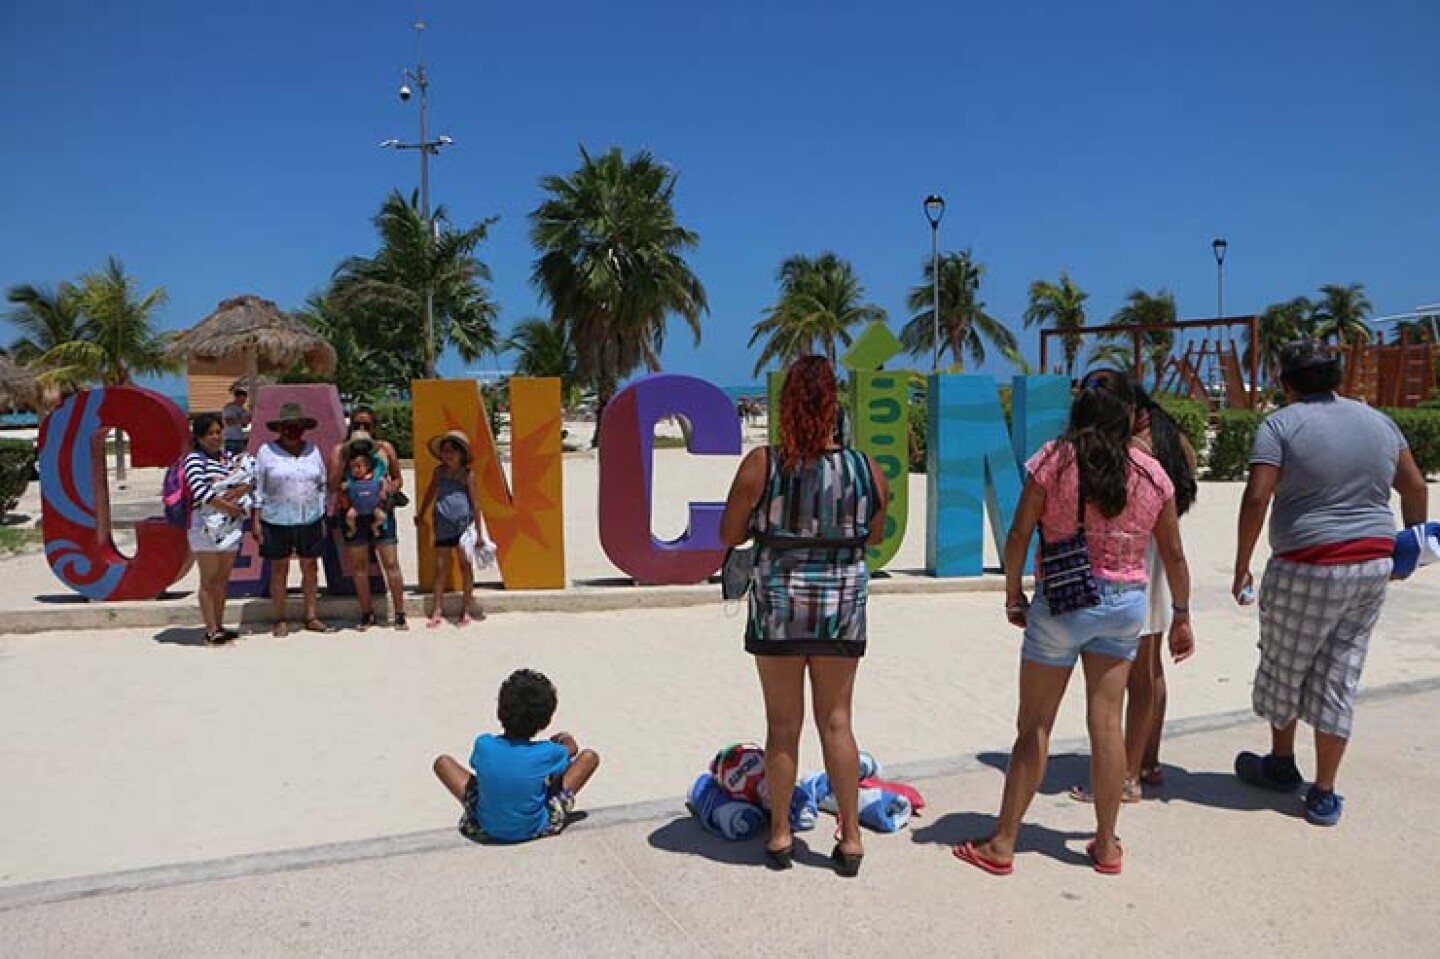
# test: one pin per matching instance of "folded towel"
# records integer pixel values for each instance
(719, 814)
(804, 811)
(869, 766)
(917, 801)
(880, 809)
(1416, 546)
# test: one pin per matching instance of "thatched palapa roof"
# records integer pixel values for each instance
(18, 386)
(250, 325)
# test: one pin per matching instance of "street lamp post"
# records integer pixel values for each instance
(427, 148)
(934, 211)
(1218, 246)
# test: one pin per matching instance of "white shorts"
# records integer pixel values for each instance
(1160, 613)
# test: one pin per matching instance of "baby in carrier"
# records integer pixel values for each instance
(363, 496)
(226, 529)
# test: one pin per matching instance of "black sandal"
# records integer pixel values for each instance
(366, 621)
(400, 620)
(846, 864)
(780, 859)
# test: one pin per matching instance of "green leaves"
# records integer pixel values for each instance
(965, 326)
(820, 300)
(1063, 306)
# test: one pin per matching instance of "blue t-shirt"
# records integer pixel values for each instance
(511, 786)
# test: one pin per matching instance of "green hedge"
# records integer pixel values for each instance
(392, 420)
(1193, 418)
(1229, 457)
(1422, 431)
(17, 465)
(919, 424)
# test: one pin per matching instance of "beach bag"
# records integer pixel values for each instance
(736, 572)
(175, 494)
(1065, 574)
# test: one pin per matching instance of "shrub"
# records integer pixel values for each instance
(1193, 418)
(1234, 438)
(1422, 431)
(17, 465)
(392, 421)
(919, 416)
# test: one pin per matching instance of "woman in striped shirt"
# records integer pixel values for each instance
(206, 464)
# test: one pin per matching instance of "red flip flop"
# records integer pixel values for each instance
(966, 852)
(1105, 868)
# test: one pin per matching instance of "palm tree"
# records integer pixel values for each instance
(543, 348)
(1111, 353)
(1063, 305)
(46, 318)
(964, 324)
(1150, 311)
(385, 294)
(612, 265)
(1281, 323)
(1341, 313)
(820, 299)
(116, 339)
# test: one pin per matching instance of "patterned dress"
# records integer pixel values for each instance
(810, 583)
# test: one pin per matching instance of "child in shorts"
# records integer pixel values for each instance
(449, 505)
(520, 788)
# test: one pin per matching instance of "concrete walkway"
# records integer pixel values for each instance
(1212, 868)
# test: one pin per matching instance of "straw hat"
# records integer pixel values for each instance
(291, 413)
(360, 443)
(458, 437)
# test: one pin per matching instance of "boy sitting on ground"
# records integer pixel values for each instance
(520, 788)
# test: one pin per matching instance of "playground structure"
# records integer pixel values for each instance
(1210, 370)
(1214, 370)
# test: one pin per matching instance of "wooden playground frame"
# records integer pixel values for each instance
(1184, 371)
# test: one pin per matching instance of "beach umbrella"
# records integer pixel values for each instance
(270, 339)
(18, 386)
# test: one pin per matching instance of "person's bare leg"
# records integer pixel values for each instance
(582, 767)
(1282, 739)
(1140, 705)
(350, 519)
(279, 575)
(442, 569)
(455, 776)
(467, 589)
(358, 559)
(832, 689)
(1150, 762)
(1329, 751)
(782, 682)
(1041, 689)
(209, 564)
(310, 587)
(394, 578)
(1105, 678)
(222, 584)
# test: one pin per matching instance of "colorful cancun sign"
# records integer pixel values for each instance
(974, 467)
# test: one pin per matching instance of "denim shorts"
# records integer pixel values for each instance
(1111, 629)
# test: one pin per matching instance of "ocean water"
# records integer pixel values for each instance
(751, 389)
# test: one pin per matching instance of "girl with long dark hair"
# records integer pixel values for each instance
(1091, 477)
(812, 506)
(1157, 433)
(203, 468)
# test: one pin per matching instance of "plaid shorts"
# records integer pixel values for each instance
(1315, 624)
(558, 805)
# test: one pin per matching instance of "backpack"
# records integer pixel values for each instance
(175, 494)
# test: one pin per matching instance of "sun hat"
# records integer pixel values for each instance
(291, 413)
(1306, 355)
(458, 437)
(360, 443)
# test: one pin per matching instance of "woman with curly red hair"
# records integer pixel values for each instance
(812, 507)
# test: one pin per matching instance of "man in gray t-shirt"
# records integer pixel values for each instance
(1329, 463)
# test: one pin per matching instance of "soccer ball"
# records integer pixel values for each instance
(740, 770)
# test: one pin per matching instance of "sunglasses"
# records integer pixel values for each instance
(1098, 381)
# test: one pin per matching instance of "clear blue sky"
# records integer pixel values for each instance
(227, 148)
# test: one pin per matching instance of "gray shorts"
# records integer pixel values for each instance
(1315, 624)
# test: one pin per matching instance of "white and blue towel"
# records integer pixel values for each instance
(1416, 546)
(721, 815)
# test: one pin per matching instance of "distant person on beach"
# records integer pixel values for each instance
(518, 788)
(1157, 433)
(1328, 463)
(449, 505)
(812, 507)
(204, 468)
(236, 419)
(289, 513)
(1098, 500)
(385, 539)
